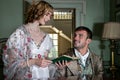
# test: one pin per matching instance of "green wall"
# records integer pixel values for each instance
(11, 15)
(97, 11)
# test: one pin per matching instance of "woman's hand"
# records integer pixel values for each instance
(42, 62)
(62, 65)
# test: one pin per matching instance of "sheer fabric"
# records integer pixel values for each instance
(19, 48)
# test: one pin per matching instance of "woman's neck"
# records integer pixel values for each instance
(33, 25)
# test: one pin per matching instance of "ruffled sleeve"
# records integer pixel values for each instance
(14, 56)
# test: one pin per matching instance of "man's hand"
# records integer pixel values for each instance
(62, 65)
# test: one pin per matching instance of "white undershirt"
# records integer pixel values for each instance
(82, 57)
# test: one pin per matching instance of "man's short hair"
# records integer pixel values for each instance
(89, 32)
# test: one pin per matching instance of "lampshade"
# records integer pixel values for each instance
(111, 30)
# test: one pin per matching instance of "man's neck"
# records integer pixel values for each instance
(83, 51)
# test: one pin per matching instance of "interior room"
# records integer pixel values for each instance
(68, 15)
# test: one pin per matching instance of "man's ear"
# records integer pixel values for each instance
(89, 41)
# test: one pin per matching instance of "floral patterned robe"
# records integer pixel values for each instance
(19, 48)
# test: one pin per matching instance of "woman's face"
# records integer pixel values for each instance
(45, 18)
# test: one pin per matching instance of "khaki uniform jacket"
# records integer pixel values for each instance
(72, 69)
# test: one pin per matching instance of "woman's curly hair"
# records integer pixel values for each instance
(38, 10)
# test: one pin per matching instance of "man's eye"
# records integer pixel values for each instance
(74, 35)
(80, 35)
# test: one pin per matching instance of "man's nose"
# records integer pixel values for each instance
(76, 37)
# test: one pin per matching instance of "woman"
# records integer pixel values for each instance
(27, 48)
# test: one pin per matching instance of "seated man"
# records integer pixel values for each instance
(89, 66)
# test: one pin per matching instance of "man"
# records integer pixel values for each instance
(89, 66)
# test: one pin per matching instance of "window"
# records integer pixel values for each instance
(62, 15)
(54, 51)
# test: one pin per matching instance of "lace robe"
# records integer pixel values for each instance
(19, 48)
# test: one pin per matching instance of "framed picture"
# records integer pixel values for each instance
(117, 16)
(117, 3)
(117, 47)
(117, 19)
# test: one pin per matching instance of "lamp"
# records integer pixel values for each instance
(111, 31)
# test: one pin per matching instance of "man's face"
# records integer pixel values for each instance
(80, 39)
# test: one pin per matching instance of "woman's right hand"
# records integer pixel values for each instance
(42, 62)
